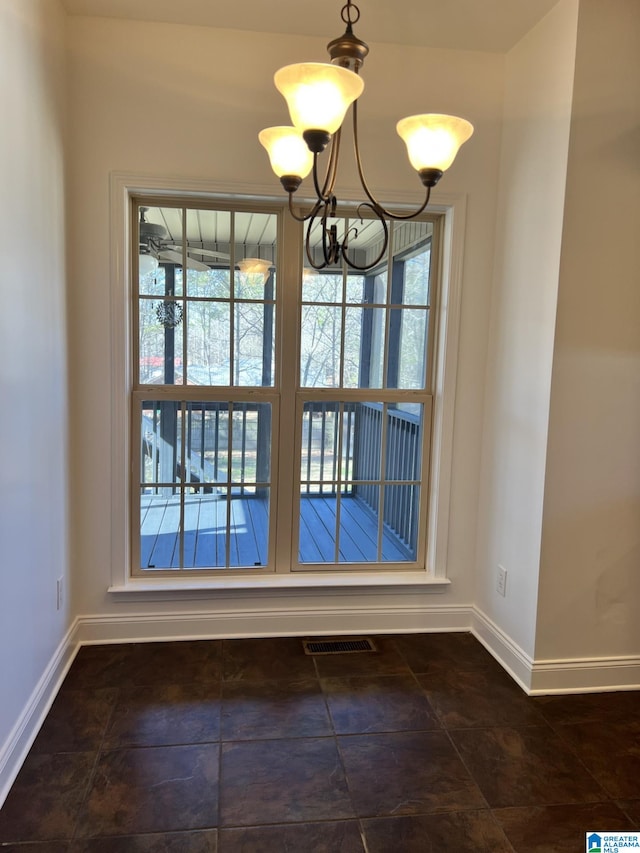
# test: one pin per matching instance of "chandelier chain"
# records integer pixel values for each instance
(350, 13)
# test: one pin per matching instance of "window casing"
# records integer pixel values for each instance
(233, 371)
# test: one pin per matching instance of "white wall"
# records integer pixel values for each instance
(537, 110)
(33, 367)
(188, 102)
(590, 574)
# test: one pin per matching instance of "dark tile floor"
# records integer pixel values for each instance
(250, 746)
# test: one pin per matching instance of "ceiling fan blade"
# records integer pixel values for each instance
(197, 251)
(176, 258)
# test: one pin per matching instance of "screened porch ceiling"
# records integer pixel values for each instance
(252, 234)
(249, 234)
(211, 229)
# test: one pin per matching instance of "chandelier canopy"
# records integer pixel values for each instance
(319, 95)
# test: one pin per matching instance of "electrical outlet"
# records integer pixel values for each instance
(501, 582)
(59, 593)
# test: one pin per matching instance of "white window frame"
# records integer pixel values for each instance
(447, 326)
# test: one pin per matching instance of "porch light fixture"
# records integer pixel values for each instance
(318, 96)
(147, 263)
(254, 265)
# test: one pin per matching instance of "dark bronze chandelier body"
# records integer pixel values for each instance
(349, 52)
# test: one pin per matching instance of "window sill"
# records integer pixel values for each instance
(273, 584)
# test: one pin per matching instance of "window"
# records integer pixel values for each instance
(280, 422)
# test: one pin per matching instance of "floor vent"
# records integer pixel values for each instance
(338, 647)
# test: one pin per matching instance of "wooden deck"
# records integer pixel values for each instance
(205, 542)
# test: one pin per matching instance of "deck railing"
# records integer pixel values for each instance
(355, 453)
(398, 435)
(327, 455)
(206, 437)
(348, 451)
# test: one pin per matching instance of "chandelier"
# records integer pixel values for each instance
(318, 95)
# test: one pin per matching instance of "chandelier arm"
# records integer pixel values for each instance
(333, 158)
(385, 242)
(400, 216)
(330, 246)
(316, 185)
(314, 210)
(375, 204)
(307, 243)
(331, 171)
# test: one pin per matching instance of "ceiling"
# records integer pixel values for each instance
(485, 25)
(248, 234)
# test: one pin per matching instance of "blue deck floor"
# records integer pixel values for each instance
(205, 542)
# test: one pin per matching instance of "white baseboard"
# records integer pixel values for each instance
(514, 659)
(272, 622)
(585, 675)
(14, 751)
(562, 675)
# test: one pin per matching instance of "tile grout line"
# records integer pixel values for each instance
(569, 746)
(356, 816)
(92, 774)
(220, 743)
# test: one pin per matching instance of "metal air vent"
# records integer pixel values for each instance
(349, 645)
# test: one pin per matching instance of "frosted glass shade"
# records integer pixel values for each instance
(254, 265)
(433, 140)
(318, 94)
(288, 152)
(147, 264)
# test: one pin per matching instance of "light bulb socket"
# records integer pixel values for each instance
(348, 51)
(290, 182)
(430, 177)
(317, 140)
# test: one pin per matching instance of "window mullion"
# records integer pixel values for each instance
(232, 301)
(338, 479)
(383, 477)
(387, 316)
(182, 485)
(227, 548)
(286, 521)
(185, 313)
